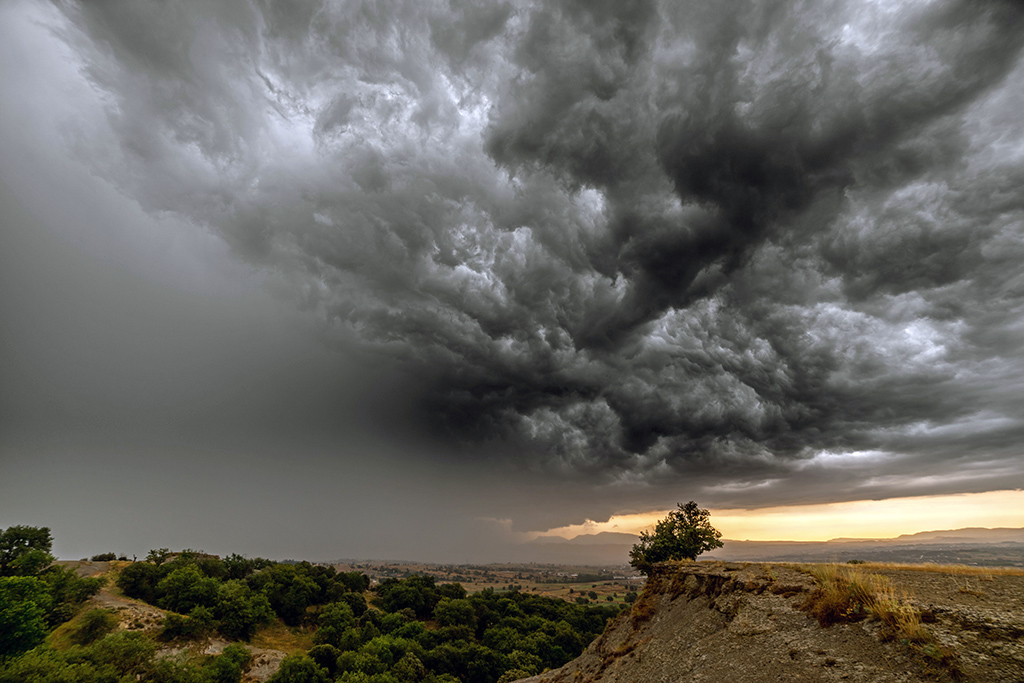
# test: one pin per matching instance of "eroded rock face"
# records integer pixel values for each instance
(743, 623)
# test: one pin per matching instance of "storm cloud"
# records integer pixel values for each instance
(751, 248)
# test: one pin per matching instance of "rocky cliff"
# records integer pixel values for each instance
(737, 623)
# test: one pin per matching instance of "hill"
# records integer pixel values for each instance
(718, 622)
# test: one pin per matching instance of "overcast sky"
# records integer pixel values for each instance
(402, 279)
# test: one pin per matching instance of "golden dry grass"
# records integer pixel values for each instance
(848, 593)
(279, 636)
(985, 573)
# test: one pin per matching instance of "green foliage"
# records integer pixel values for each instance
(450, 612)
(683, 535)
(139, 580)
(94, 624)
(25, 550)
(239, 567)
(480, 638)
(185, 588)
(299, 668)
(335, 619)
(197, 625)
(355, 601)
(121, 658)
(229, 666)
(354, 582)
(158, 556)
(103, 557)
(23, 604)
(240, 611)
(326, 657)
(35, 595)
(129, 652)
(290, 590)
(67, 592)
(418, 593)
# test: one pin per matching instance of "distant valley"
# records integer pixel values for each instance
(969, 546)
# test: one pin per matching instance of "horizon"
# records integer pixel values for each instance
(431, 279)
(619, 526)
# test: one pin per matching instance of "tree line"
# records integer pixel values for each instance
(411, 630)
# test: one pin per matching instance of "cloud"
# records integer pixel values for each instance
(632, 243)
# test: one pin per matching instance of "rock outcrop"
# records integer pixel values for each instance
(746, 623)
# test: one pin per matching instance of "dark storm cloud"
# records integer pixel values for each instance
(764, 244)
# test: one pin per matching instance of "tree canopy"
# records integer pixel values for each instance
(683, 535)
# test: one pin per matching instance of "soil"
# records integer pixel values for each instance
(744, 623)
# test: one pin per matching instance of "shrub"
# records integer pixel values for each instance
(95, 624)
(299, 668)
(199, 624)
(103, 557)
(229, 666)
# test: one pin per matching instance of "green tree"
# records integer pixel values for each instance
(186, 588)
(240, 611)
(335, 619)
(25, 550)
(450, 612)
(683, 535)
(158, 555)
(140, 579)
(23, 604)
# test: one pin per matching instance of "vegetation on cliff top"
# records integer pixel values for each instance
(683, 535)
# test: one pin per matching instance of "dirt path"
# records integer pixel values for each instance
(135, 615)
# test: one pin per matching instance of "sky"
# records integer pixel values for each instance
(424, 279)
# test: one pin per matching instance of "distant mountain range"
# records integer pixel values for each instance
(973, 546)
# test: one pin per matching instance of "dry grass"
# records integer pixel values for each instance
(279, 636)
(984, 573)
(847, 593)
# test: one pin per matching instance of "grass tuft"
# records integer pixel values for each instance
(846, 594)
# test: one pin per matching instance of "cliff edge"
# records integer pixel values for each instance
(745, 623)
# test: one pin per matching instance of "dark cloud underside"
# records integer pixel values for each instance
(721, 244)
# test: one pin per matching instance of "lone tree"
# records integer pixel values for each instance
(683, 535)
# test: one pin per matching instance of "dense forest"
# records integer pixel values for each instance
(398, 631)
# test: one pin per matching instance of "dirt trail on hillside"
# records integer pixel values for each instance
(135, 615)
(743, 623)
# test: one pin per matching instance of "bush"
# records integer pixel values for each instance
(67, 592)
(103, 557)
(199, 624)
(95, 624)
(299, 668)
(229, 666)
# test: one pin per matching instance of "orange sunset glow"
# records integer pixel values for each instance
(854, 519)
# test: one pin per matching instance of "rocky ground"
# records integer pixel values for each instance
(744, 623)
